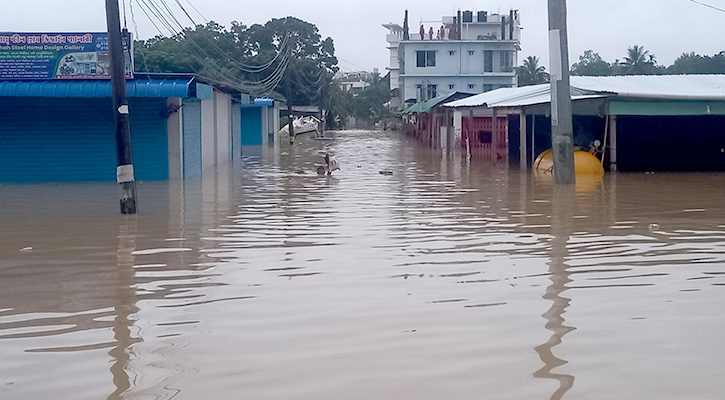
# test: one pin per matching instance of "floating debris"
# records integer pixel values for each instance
(386, 172)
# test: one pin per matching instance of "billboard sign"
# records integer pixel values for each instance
(59, 56)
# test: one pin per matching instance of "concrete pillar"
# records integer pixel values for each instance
(449, 130)
(175, 139)
(494, 136)
(533, 140)
(562, 136)
(522, 140)
(613, 143)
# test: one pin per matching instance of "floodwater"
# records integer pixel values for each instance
(449, 279)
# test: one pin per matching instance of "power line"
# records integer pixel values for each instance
(708, 5)
(211, 70)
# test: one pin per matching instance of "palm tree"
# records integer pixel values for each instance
(531, 73)
(638, 61)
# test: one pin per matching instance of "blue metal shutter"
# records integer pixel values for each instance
(149, 138)
(73, 139)
(251, 126)
(191, 115)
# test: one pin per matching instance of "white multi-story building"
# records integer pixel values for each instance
(472, 52)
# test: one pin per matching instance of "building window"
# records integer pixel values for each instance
(471, 86)
(426, 58)
(451, 52)
(507, 61)
(471, 52)
(487, 61)
(487, 88)
(451, 87)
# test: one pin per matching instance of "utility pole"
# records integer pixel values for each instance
(289, 111)
(124, 156)
(562, 131)
(288, 72)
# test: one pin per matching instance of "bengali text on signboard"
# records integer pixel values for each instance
(58, 56)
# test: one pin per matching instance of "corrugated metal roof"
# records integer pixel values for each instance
(695, 87)
(95, 88)
(518, 97)
(427, 105)
(690, 87)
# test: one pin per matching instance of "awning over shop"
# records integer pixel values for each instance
(102, 88)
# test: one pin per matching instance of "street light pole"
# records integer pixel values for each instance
(124, 156)
(562, 135)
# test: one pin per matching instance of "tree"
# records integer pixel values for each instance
(639, 61)
(691, 63)
(369, 105)
(591, 64)
(312, 61)
(253, 59)
(530, 73)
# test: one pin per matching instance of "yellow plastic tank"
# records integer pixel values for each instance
(584, 163)
(587, 167)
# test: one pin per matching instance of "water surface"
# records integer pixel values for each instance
(449, 279)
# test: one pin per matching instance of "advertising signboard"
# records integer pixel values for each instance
(59, 55)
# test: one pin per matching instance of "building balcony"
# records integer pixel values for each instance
(393, 37)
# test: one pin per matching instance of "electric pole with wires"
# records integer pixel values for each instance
(562, 130)
(124, 156)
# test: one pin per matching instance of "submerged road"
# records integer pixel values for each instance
(446, 278)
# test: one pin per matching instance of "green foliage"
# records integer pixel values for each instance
(591, 64)
(639, 61)
(369, 105)
(691, 63)
(531, 73)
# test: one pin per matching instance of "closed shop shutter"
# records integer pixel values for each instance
(191, 114)
(73, 139)
(251, 126)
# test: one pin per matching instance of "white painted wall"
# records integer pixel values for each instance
(208, 136)
(458, 62)
(223, 126)
(175, 132)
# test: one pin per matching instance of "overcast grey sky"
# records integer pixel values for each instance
(665, 27)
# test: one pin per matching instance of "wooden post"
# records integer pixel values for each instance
(522, 140)
(562, 136)
(124, 156)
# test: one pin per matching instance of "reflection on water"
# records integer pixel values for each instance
(562, 206)
(449, 278)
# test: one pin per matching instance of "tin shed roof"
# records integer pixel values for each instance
(664, 87)
(424, 107)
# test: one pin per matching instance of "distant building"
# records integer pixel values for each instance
(356, 82)
(471, 52)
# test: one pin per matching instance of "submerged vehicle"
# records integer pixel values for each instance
(302, 125)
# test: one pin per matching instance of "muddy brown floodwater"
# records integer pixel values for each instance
(447, 279)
